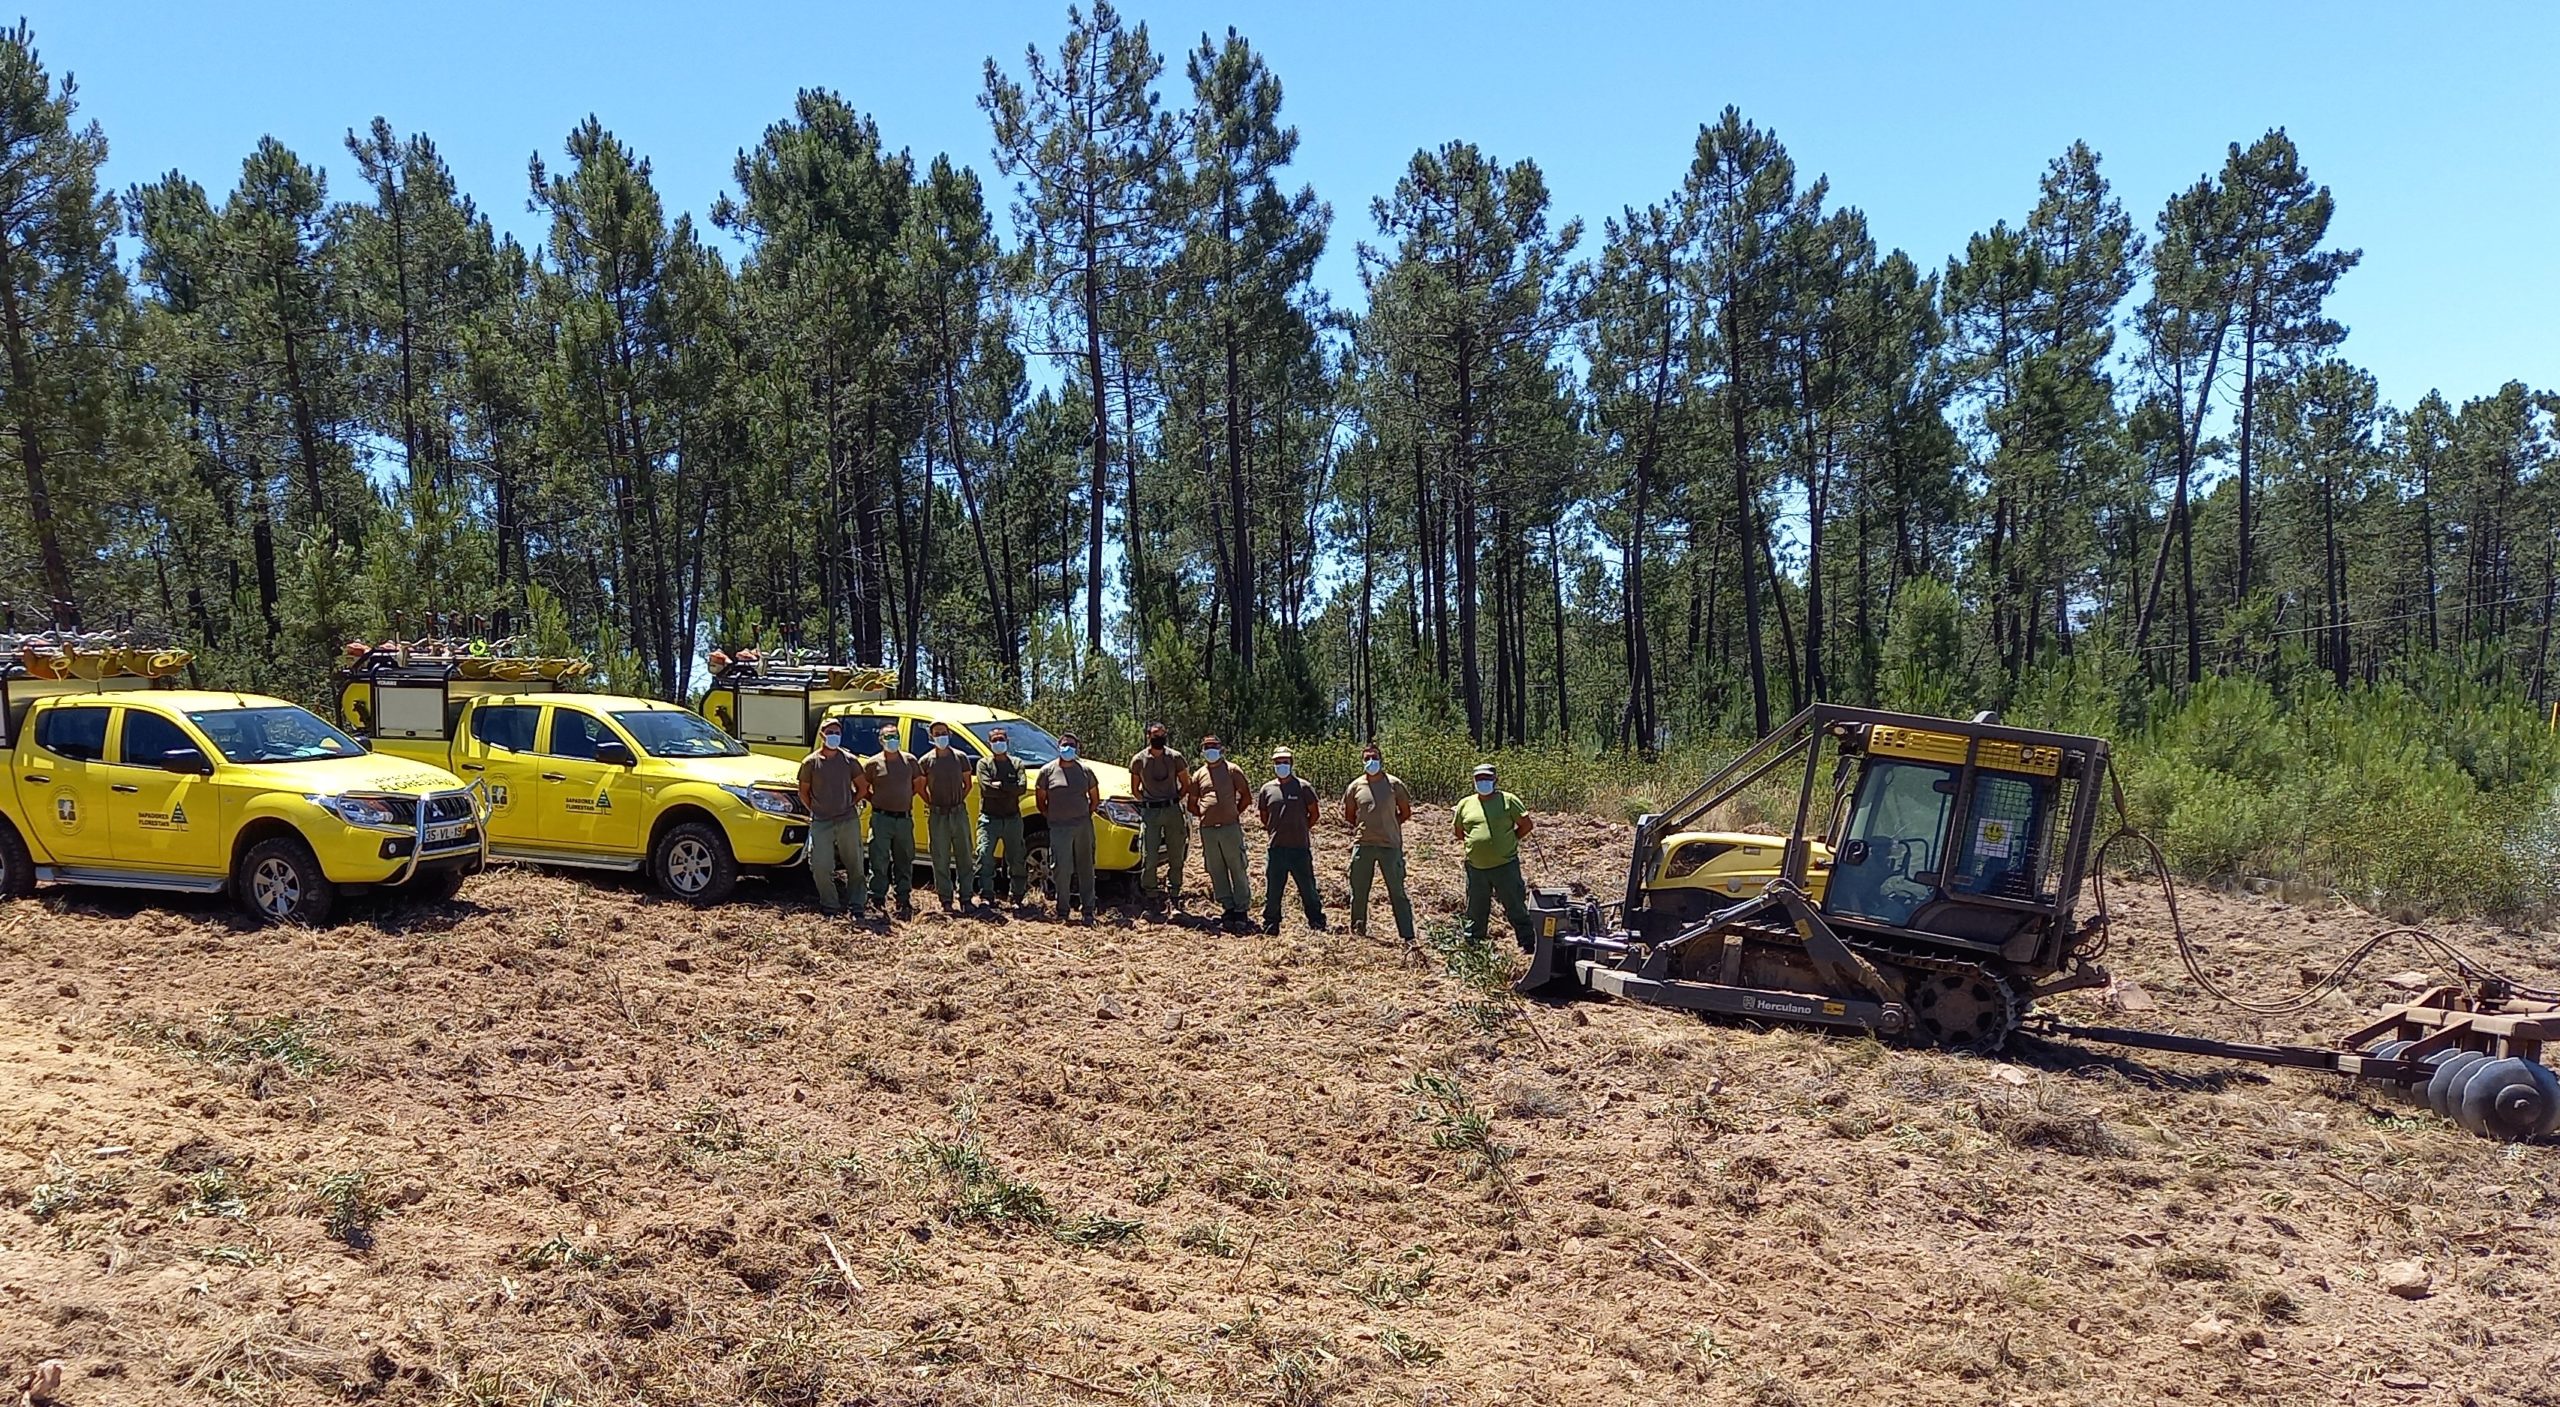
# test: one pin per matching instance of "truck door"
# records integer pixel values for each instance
(495, 749)
(586, 804)
(62, 779)
(155, 817)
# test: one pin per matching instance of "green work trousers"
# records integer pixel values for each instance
(1230, 883)
(1498, 882)
(1164, 833)
(833, 846)
(1071, 857)
(947, 839)
(1280, 864)
(1386, 862)
(1006, 831)
(893, 857)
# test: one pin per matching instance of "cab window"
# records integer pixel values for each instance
(508, 726)
(862, 733)
(920, 739)
(149, 739)
(79, 734)
(575, 734)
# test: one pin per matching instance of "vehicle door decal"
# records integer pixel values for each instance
(66, 812)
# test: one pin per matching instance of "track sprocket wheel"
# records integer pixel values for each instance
(1963, 1008)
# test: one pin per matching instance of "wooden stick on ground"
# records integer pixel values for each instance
(1679, 1260)
(843, 1267)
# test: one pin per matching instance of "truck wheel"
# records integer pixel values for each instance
(279, 881)
(437, 888)
(17, 867)
(1039, 864)
(693, 862)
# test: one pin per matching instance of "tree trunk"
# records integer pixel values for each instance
(27, 402)
(1738, 414)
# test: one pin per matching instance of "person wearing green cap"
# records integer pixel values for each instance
(1491, 824)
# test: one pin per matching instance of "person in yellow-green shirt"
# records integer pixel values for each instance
(1491, 824)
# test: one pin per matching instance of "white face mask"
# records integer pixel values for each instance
(1213, 753)
(1283, 768)
(1484, 786)
(1373, 766)
(1000, 746)
(941, 740)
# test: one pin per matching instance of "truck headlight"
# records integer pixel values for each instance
(370, 812)
(1122, 813)
(770, 802)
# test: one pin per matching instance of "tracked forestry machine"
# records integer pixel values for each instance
(1928, 890)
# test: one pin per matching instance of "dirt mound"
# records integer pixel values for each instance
(561, 1142)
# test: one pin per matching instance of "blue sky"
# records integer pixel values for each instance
(2439, 134)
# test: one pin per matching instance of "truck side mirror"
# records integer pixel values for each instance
(186, 762)
(612, 752)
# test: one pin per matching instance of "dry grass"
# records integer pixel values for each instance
(613, 1150)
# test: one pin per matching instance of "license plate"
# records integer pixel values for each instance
(446, 835)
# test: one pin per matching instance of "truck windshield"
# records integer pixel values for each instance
(1023, 739)
(672, 733)
(274, 734)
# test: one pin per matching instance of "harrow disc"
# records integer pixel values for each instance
(2503, 1100)
(2443, 1094)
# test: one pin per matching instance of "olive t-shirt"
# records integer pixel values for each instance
(1157, 775)
(893, 781)
(1485, 823)
(1377, 803)
(1222, 793)
(1000, 786)
(1066, 793)
(1292, 804)
(947, 771)
(830, 781)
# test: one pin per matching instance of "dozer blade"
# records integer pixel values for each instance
(1716, 999)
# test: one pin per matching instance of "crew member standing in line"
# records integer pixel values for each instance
(1288, 807)
(895, 780)
(1000, 789)
(1163, 785)
(1492, 823)
(949, 776)
(1218, 797)
(832, 786)
(1069, 795)
(1376, 808)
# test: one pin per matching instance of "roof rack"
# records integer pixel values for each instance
(752, 668)
(472, 661)
(86, 656)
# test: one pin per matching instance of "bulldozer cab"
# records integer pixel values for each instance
(1964, 835)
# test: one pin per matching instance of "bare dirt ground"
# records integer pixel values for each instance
(591, 1146)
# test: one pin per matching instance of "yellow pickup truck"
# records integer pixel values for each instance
(777, 708)
(588, 781)
(115, 783)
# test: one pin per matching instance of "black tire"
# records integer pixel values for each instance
(693, 862)
(1039, 863)
(437, 888)
(279, 881)
(17, 867)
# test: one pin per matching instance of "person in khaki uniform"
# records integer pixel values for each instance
(1376, 808)
(1001, 786)
(1163, 785)
(949, 775)
(1069, 796)
(896, 781)
(1218, 797)
(832, 786)
(1288, 807)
